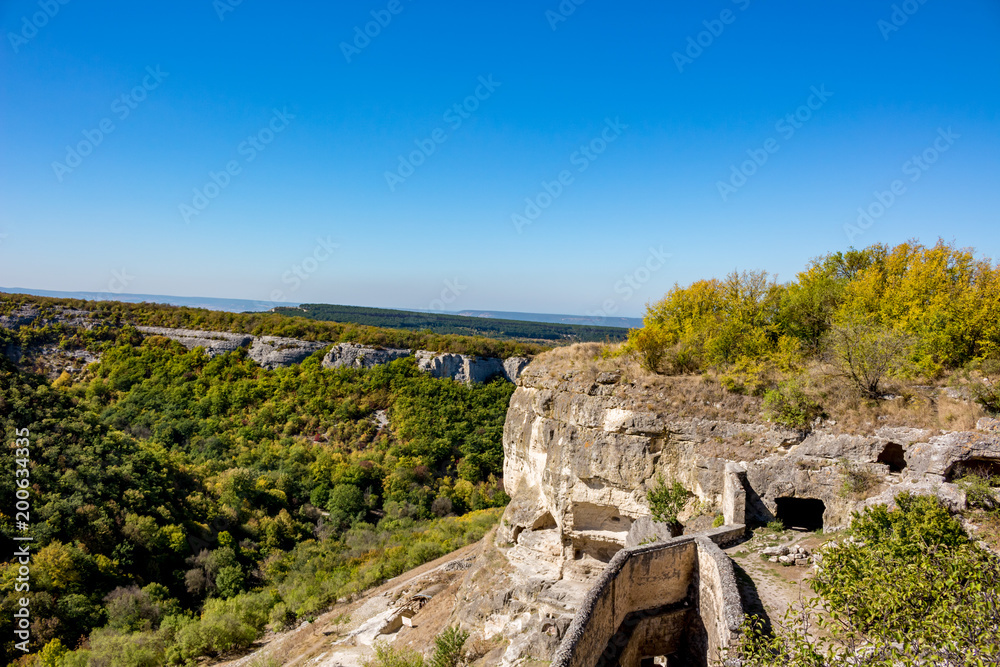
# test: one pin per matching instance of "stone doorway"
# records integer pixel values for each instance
(801, 513)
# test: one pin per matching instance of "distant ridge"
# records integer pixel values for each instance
(627, 322)
(251, 306)
(463, 325)
(207, 302)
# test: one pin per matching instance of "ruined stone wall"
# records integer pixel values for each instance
(687, 588)
(718, 604)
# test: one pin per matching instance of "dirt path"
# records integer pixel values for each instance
(768, 587)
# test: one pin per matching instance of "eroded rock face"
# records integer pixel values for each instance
(274, 351)
(583, 447)
(353, 355)
(460, 367)
(19, 317)
(214, 342)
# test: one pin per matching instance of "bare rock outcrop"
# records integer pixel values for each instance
(469, 369)
(353, 355)
(214, 342)
(274, 351)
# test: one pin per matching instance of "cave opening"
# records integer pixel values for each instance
(892, 456)
(980, 467)
(801, 513)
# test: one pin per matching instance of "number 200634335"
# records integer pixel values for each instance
(22, 476)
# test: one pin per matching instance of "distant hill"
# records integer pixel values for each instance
(251, 306)
(442, 323)
(625, 322)
(207, 302)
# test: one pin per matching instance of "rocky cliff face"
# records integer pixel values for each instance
(584, 443)
(214, 342)
(464, 368)
(274, 351)
(458, 367)
(353, 355)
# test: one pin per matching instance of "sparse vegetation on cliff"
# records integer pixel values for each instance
(852, 330)
(110, 316)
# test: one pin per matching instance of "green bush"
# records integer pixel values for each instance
(449, 648)
(666, 501)
(910, 589)
(387, 656)
(857, 481)
(988, 396)
(789, 406)
(878, 311)
(979, 492)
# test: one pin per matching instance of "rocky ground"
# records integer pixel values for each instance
(770, 586)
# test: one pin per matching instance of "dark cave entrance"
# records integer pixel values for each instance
(980, 467)
(892, 456)
(801, 513)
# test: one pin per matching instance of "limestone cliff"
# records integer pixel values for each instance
(583, 441)
(353, 355)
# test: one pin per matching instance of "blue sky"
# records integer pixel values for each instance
(641, 108)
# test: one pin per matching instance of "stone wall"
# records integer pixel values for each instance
(678, 596)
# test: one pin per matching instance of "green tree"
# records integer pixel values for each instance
(866, 352)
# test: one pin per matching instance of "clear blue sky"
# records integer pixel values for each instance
(888, 94)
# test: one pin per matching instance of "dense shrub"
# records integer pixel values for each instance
(209, 476)
(788, 405)
(910, 589)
